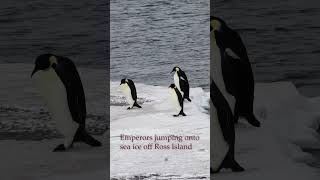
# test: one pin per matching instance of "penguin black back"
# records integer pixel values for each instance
(69, 75)
(133, 89)
(236, 70)
(183, 82)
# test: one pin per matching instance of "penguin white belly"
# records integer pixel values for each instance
(127, 92)
(177, 82)
(54, 93)
(174, 100)
(219, 147)
(216, 72)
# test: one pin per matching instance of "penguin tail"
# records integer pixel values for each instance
(136, 104)
(83, 136)
(253, 120)
(229, 163)
(188, 99)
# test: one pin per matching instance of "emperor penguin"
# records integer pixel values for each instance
(236, 70)
(181, 82)
(176, 100)
(222, 131)
(60, 85)
(129, 90)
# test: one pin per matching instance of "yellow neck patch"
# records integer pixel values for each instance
(53, 60)
(215, 24)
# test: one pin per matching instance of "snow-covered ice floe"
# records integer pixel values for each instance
(275, 151)
(155, 117)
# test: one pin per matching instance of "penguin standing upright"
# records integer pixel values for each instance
(129, 90)
(181, 82)
(60, 85)
(236, 70)
(222, 131)
(176, 99)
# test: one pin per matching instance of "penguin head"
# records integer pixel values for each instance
(124, 81)
(172, 86)
(216, 24)
(44, 62)
(175, 69)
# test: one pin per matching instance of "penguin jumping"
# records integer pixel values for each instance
(236, 69)
(129, 90)
(181, 82)
(60, 85)
(176, 99)
(222, 131)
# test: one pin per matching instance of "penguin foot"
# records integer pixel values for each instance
(236, 167)
(86, 138)
(137, 105)
(129, 108)
(253, 121)
(213, 172)
(59, 148)
(181, 113)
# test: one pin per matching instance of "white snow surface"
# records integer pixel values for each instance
(273, 151)
(155, 117)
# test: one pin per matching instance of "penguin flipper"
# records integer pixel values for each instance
(225, 116)
(183, 75)
(133, 89)
(185, 88)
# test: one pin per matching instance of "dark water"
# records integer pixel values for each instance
(150, 37)
(282, 38)
(77, 29)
